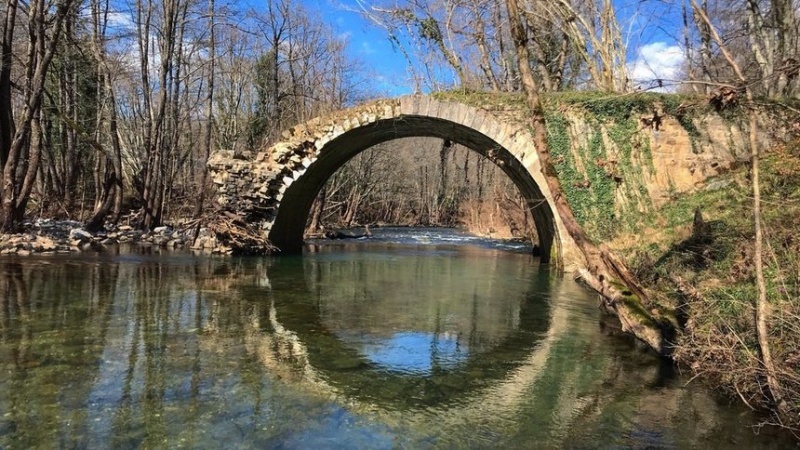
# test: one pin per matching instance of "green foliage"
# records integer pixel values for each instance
(619, 108)
(613, 120)
(486, 100)
(590, 194)
(624, 135)
(429, 29)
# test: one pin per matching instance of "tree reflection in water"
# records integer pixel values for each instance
(377, 347)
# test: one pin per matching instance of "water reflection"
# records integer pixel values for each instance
(412, 352)
(408, 330)
(378, 347)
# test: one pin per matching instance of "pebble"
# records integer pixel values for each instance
(47, 236)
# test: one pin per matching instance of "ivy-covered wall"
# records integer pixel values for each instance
(619, 157)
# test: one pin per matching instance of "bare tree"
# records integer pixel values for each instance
(428, 29)
(108, 169)
(20, 158)
(762, 306)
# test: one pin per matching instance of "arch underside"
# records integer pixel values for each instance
(287, 230)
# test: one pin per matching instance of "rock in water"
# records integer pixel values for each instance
(80, 234)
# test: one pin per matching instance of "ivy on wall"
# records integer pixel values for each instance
(603, 177)
(614, 158)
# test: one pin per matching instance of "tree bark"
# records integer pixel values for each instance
(7, 128)
(316, 212)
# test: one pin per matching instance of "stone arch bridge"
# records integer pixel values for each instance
(275, 189)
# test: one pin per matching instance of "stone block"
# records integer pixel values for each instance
(406, 105)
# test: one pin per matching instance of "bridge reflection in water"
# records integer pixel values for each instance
(374, 347)
(410, 331)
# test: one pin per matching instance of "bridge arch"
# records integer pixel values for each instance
(286, 178)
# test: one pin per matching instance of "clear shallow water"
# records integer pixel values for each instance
(424, 340)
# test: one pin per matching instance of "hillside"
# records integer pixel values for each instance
(696, 254)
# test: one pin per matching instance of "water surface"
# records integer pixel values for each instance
(409, 339)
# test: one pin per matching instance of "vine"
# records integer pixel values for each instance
(590, 194)
(564, 162)
(623, 134)
(614, 120)
(686, 109)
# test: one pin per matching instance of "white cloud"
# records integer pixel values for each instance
(657, 65)
(121, 21)
(367, 48)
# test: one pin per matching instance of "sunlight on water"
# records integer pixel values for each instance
(426, 339)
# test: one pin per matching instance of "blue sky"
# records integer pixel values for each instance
(368, 43)
(651, 28)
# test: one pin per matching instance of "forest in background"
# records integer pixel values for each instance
(422, 182)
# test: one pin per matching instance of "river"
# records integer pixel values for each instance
(413, 338)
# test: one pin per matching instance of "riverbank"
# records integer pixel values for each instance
(696, 253)
(50, 236)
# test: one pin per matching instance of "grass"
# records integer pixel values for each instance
(703, 267)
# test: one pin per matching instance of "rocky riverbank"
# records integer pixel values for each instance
(47, 236)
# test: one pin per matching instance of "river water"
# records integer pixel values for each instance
(410, 339)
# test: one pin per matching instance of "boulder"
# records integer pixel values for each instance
(80, 235)
(44, 244)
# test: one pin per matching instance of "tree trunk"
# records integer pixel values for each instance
(762, 307)
(316, 212)
(603, 272)
(198, 211)
(40, 54)
(6, 112)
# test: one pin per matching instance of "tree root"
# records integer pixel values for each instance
(240, 237)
